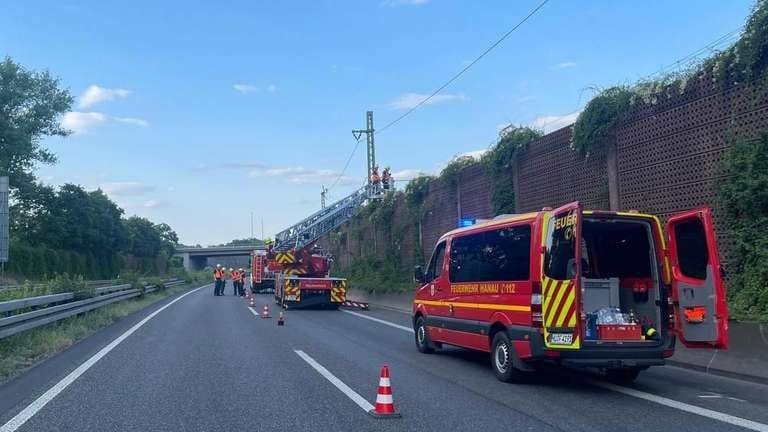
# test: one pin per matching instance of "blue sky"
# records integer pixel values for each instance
(197, 114)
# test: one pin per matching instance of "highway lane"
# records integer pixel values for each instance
(207, 363)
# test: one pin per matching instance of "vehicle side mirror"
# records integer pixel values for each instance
(418, 274)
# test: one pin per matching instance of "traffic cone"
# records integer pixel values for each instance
(266, 312)
(281, 319)
(252, 303)
(385, 407)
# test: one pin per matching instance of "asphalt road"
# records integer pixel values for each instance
(209, 363)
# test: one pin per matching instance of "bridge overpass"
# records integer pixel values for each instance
(228, 256)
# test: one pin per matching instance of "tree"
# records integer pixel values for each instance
(30, 106)
(244, 242)
(144, 240)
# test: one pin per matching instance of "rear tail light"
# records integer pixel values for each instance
(536, 316)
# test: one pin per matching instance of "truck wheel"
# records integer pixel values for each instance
(622, 376)
(503, 360)
(423, 343)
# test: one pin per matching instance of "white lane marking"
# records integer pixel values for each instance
(253, 311)
(380, 321)
(693, 409)
(738, 421)
(356, 398)
(32, 409)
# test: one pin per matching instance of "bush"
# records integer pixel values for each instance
(498, 163)
(745, 61)
(744, 197)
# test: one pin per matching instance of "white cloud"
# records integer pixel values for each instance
(408, 174)
(151, 204)
(125, 188)
(300, 175)
(566, 65)
(474, 154)
(250, 88)
(133, 121)
(95, 94)
(81, 122)
(411, 100)
(245, 88)
(403, 2)
(553, 122)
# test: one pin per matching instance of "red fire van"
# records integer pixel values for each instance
(603, 289)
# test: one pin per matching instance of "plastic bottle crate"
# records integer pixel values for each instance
(619, 332)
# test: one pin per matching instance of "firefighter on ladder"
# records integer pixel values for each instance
(386, 178)
(218, 278)
(375, 179)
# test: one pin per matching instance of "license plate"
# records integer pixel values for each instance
(561, 338)
(290, 298)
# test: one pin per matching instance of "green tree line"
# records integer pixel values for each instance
(66, 229)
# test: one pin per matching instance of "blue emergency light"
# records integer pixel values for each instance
(465, 222)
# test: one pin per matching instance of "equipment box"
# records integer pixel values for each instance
(619, 332)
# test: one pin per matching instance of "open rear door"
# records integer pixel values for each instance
(698, 291)
(561, 280)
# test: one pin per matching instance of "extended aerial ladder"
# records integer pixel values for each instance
(324, 221)
(293, 266)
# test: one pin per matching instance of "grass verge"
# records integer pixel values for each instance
(24, 350)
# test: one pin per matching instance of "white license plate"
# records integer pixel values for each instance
(290, 298)
(561, 338)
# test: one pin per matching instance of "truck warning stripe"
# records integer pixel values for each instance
(567, 306)
(556, 303)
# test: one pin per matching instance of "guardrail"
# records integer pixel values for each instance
(56, 307)
(38, 286)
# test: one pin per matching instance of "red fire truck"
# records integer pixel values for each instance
(300, 277)
(579, 288)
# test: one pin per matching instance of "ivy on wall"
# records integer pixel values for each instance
(744, 198)
(745, 61)
(498, 163)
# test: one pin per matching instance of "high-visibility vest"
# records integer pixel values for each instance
(218, 274)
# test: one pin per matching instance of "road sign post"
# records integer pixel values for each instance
(4, 221)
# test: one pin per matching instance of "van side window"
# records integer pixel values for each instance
(436, 263)
(559, 251)
(499, 255)
(692, 251)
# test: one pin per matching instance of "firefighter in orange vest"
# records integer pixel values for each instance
(218, 277)
(232, 275)
(241, 282)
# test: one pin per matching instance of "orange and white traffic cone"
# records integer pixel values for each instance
(385, 407)
(266, 312)
(252, 303)
(281, 319)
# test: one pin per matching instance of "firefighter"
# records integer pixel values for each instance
(233, 277)
(375, 179)
(241, 282)
(218, 277)
(386, 178)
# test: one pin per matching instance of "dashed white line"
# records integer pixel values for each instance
(253, 311)
(716, 415)
(693, 409)
(380, 321)
(356, 398)
(38, 404)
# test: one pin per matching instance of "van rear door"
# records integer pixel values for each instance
(698, 291)
(561, 281)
